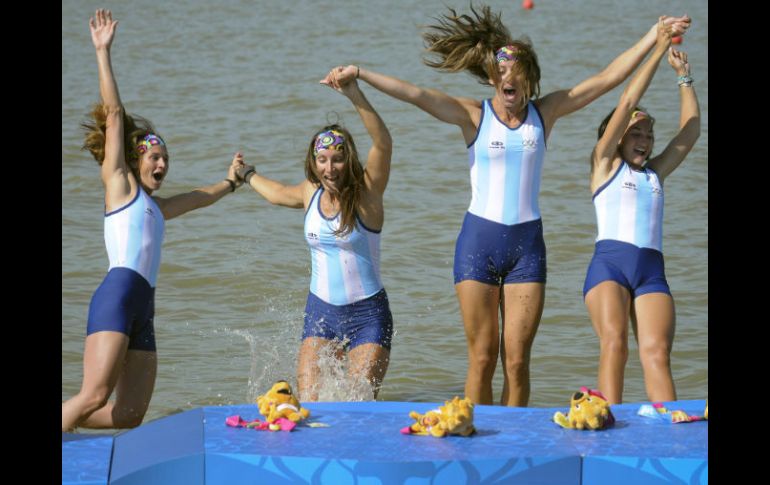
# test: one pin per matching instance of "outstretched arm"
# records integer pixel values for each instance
(203, 196)
(449, 109)
(377, 168)
(273, 191)
(689, 119)
(114, 170)
(563, 102)
(606, 147)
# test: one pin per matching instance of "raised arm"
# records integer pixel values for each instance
(563, 102)
(377, 170)
(607, 146)
(203, 196)
(463, 112)
(689, 119)
(114, 170)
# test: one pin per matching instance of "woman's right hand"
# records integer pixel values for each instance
(102, 29)
(340, 76)
(665, 32)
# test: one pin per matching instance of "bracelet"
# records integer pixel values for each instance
(358, 71)
(232, 185)
(247, 176)
(685, 80)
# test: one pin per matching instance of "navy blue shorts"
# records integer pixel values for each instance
(640, 270)
(363, 322)
(124, 302)
(495, 253)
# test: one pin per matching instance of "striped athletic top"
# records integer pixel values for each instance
(133, 236)
(344, 269)
(629, 208)
(506, 164)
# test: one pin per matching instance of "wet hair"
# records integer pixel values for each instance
(352, 178)
(606, 120)
(134, 129)
(469, 43)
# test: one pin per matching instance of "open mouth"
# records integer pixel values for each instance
(509, 91)
(158, 176)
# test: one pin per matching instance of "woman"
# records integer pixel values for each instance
(500, 262)
(120, 351)
(347, 305)
(626, 276)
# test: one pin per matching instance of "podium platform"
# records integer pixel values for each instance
(363, 445)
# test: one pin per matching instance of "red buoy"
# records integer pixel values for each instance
(527, 4)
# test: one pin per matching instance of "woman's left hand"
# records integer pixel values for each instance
(678, 60)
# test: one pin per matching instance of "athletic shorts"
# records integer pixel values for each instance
(124, 302)
(640, 270)
(495, 253)
(362, 322)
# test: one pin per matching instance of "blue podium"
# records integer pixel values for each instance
(363, 444)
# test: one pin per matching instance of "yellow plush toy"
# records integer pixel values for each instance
(454, 417)
(588, 409)
(279, 402)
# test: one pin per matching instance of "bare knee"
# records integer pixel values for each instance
(655, 355)
(94, 399)
(615, 344)
(517, 366)
(483, 362)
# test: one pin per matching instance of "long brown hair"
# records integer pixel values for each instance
(352, 182)
(134, 129)
(469, 43)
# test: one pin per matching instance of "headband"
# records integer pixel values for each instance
(328, 140)
(506, 53)
(148, 141)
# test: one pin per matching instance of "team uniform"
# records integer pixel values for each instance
(501, 240)
(347, 301)
(125, 300)
(629, 216)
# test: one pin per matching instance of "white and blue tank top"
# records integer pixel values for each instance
(629, 208)
(133, 235)
(344, 269)
(506, 165)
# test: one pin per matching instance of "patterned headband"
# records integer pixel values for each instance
(148, 141)
(328, 140)
(638, 114)
(506, 53)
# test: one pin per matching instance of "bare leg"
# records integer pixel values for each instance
(308, 370)
(370, 362)
(479, 304)
(655, 322)
(132, 393)
(609, 306)
(103, 359)
(522, 308)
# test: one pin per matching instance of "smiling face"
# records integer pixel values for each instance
(636, 145)
(330, 169)
(153, 167)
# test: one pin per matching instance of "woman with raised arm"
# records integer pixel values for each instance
(626, 276)
(120, 351)
(500, 259)
(347, 306)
